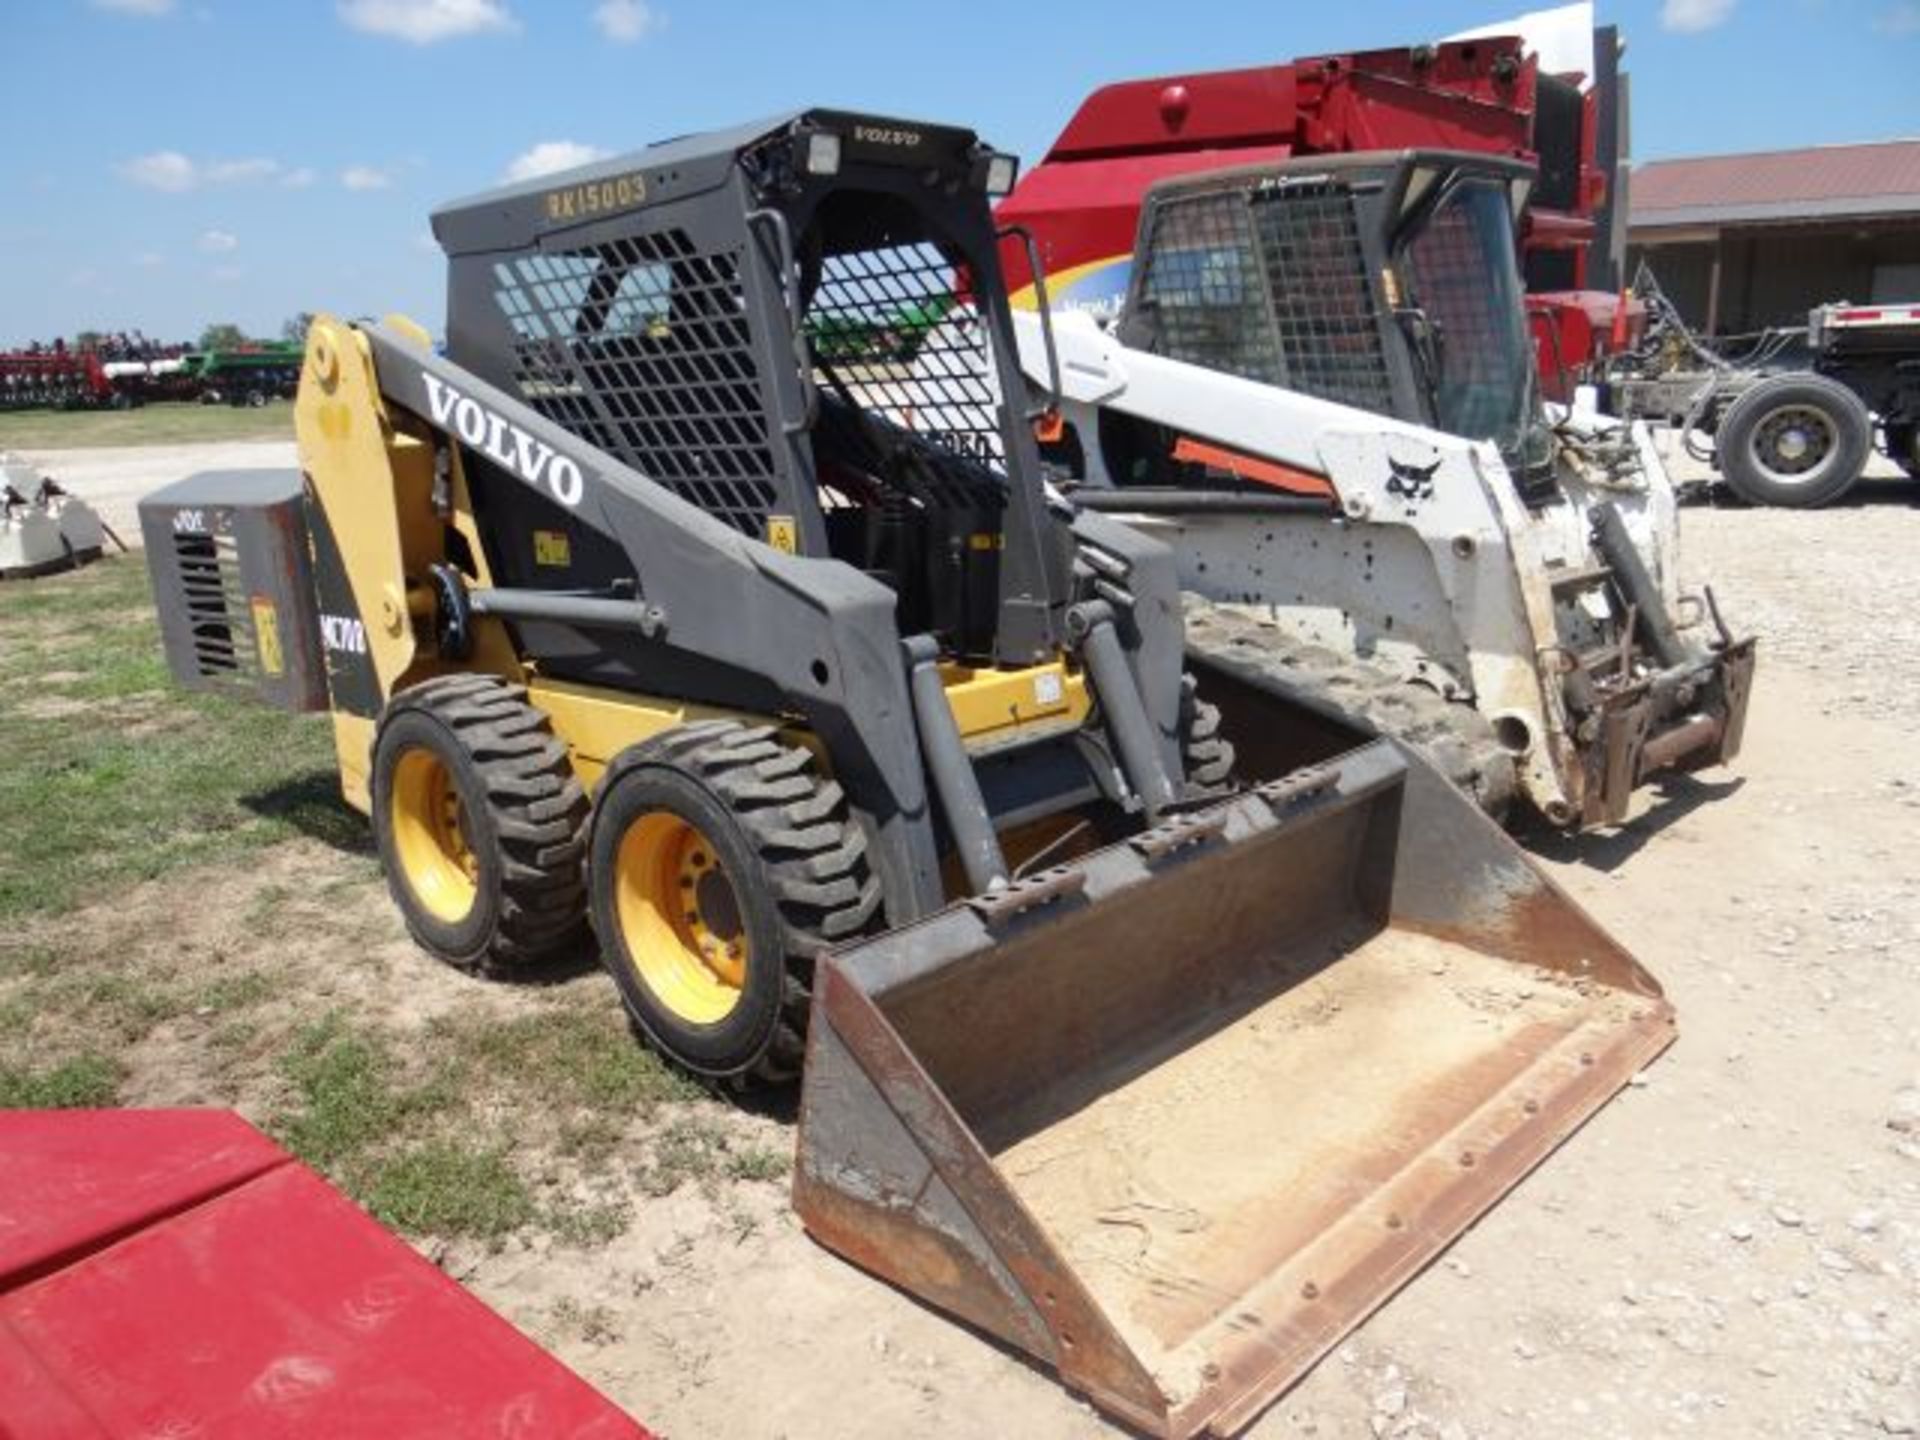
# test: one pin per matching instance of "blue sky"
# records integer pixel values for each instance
(175, 162)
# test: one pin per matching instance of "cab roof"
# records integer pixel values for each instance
(516, 216)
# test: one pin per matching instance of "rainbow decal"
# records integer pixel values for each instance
(1099, 287)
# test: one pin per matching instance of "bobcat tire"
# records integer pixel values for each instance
(720, 865)
(1453, 737)
(481, 824)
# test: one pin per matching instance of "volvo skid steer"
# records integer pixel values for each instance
(702, 603)
(1321, 391)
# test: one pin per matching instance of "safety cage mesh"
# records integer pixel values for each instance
(1203, 288)
(641, 347)
(1269, 283)
(1323, 305)
(888, 333)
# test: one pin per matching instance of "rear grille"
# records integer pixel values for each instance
(642, 348)
(217, 611)
(1323, 306)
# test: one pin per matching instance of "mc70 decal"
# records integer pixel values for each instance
(500, 440)
(343, 634)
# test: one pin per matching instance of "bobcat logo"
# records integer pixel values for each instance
(1413, 483)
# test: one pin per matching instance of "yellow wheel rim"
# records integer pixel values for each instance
(680, 918)
(430, 838)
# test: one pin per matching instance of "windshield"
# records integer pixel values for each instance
(1466, 278)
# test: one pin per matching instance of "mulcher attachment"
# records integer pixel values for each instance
(1175, 1118)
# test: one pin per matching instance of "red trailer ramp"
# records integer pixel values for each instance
(176, 1273)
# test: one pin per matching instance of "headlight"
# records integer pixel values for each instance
(823, 153)
(1001, 172)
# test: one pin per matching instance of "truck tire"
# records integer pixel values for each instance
(481, 824)
(1453, 737)
(720, 864)
(1795, 441)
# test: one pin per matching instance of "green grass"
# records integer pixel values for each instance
(110, 775)
(445, 1188)
(587, 1226)
(351, 1094)
(695, 1149)
(87, 1081)
(127, 1006)
(170, 424)
(233, 992)
(572, 1055)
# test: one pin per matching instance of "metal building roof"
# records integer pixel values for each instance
(1827, 181)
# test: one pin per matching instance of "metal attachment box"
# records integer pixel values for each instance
(233, 581)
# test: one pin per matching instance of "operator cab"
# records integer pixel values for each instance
(1388, 282)
(798, 326)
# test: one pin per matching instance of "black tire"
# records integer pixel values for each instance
(1794, 441)
(523, 816)
(1206, 754)
(795, 860)
(1452, 736)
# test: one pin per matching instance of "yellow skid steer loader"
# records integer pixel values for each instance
(704, 602)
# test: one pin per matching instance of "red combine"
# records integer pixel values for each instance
(1488, 94)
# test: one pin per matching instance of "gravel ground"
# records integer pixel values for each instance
(113, 478)
(1827, 590)
(1731, 1249)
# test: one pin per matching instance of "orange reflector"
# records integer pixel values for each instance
(1049, 428)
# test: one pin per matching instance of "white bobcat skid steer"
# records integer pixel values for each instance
(1321, 392)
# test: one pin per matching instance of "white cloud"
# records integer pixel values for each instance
(426, 22)
(162, 170)
(149, 259)
(298, 179)
(551, 155)
(218, 242)
(1901, 19)
(175, 173)
(625, 21)
(365, 177)
(135, 7)
(1690, 17)
(237, 172)
(226, 272)
(425, 243)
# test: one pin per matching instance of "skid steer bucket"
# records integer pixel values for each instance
(1173, 1119)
